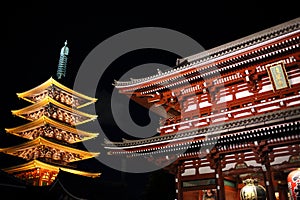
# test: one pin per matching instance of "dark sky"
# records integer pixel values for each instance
(34, 32)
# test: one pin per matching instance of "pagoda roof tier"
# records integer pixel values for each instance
(251, 128)
(45, 149)
(35, 164)
(260, 46)
(55, 110)
(52, 88)
(47, 127)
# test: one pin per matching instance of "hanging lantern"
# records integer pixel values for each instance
(293, 180)
(252, 190)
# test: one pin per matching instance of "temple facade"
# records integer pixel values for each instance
(233, 115)
(51, 133)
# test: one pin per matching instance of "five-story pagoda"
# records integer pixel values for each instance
(51, 131)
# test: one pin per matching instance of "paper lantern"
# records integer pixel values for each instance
(252, 191)
(293, 180)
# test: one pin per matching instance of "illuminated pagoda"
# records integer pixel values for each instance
(51, 134)
(233, 113)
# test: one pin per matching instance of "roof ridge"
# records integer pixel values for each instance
(292, 25)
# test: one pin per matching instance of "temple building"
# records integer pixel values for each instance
(233, 117)
(51, 135)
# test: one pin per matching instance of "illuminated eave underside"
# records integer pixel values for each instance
(223, 52)
(218, 130)
(38, 164)
(25, 95)
(225, 143)
(47, 101)
(45, 120)
(42, 141)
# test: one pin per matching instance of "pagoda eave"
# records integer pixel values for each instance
(40, 127)
(47, 101)
(40, 147)
(35, 164)
(53, 108)
(27, 95)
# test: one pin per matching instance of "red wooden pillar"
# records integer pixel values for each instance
(179, 191)
(268, 180)
(220, 181)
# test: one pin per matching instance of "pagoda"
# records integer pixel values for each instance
(233, 113)
(51, 136)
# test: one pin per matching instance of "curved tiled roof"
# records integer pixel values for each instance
(244, 43)
(52, 82)
(217, 129)
(83, 135)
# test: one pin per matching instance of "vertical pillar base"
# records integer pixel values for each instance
(268, 181)
(220, 182)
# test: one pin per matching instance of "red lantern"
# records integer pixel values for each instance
(294, 184)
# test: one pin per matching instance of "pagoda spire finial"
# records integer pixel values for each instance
(62, 64)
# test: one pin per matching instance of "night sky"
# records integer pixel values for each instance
(33, 34)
